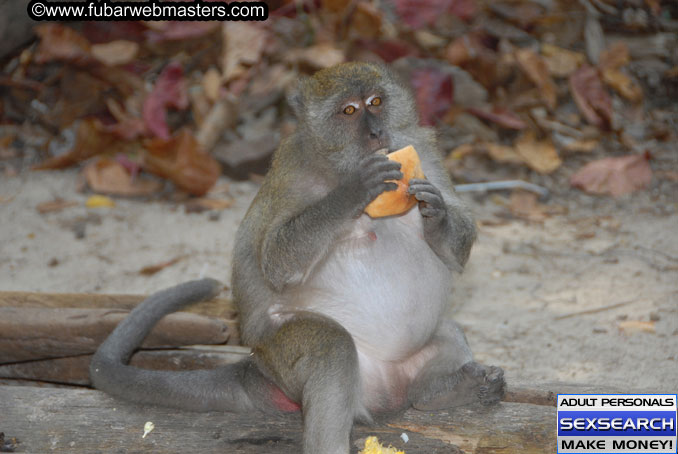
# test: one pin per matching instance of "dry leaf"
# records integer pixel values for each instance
(114, 53)
(614, 57)
(366, 20)
(524, 205)
(178, 30)
(110, 177)
(152, 269)
(91, 139)
(211, 84)
(561, 62)
(58, 42)
(499, 115)
(636, 326)
(623, 84)
(581, 145)
(504, 154)
(614, 176)
(57, 204)
(433, 91)
(591, 97)
(200, 204)
(536, 69)
(169, 91)
(322, 55)
(182, 160)
(243, 46)
(538, 155)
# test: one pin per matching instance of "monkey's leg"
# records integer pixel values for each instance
(233, 387)
(314, 361)
(452, 378)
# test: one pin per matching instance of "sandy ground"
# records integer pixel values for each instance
(520, 299)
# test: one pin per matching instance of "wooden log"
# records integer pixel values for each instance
(83, 421)
(218, 307)
(37, 333)
(74, 370)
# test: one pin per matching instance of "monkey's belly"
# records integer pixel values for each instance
(385, 285)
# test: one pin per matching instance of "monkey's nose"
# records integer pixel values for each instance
(376, 134)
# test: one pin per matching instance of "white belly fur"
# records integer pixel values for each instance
(384, 284)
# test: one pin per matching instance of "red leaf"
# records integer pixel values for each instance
(421, 13)
(591, 97)
(433, 93)
(169, 91)
(503, 117)
(182, 160)
(615, 176)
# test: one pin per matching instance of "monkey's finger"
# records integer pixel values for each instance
(429, 197)
(384, 187)
(390, 175)
(382, 165)
(417, 185)
(430, 212)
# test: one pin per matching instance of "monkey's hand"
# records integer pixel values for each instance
(369, 180)
(448, 231)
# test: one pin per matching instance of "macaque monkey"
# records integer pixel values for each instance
(345, 313)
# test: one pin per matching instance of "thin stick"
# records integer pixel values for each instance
(499, 185)
(593, 311)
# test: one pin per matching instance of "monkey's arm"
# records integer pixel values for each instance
(448, 227)
(292, 245)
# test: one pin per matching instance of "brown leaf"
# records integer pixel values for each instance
(61, 43)
(114, 53)
(91, 139)
(152, 269)
(591, 97)
(614, 57)
(182, 160)
(110, 177)
(504, 154)
(200, 204)
(524, 205)
(623, 84)
(539, 155)
(366, 20)
(615, 176)
(319, 56)
(503, 117)
(561, 62)
(243, 46)
(536, 69)
(57, 204)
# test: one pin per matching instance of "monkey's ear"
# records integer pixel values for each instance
(295, 97)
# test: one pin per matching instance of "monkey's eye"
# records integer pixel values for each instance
(349, 110)
(376, 101)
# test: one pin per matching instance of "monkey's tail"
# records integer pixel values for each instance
(216, 389)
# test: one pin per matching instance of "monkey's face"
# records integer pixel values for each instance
(354, 109)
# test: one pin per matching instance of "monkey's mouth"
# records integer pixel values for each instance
(383, 151)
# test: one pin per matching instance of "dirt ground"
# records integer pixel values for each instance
(522, 300)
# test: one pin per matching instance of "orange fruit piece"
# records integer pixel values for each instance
(391, 203)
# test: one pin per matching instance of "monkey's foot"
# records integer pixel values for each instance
(473, 383)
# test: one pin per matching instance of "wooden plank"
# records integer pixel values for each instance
(74, 370)
(85, 421)
(218, 307)
(30, 333)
